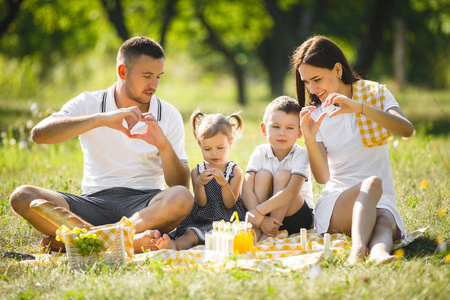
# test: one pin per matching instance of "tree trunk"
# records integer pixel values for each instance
(13, 9)
(169, 13)
(291, 27)
(374, 35)
(115, 15)
(399, 52)
(238, 70)
(274, 55)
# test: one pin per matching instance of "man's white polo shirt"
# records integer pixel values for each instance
(296, 161)
(111, 159)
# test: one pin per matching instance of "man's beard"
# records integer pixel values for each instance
(136, 98)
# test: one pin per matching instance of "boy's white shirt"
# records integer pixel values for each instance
(296, 161)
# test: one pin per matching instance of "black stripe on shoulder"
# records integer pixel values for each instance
(104, 95)
(159, 109)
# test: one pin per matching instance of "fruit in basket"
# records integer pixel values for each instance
(86, 242)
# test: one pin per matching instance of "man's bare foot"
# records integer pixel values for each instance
(382, 258)
(146, 240)
(50, 244)
(165, 242)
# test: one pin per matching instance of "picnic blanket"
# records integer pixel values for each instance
(280, 254)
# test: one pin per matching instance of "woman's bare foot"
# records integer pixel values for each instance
(351, 260)
(50, 244)
(356, 254)
(146, 240)
(165, 242)
(382, 258)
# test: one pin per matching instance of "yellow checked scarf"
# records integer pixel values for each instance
(372, 94)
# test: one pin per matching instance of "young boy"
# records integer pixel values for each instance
(276, 188)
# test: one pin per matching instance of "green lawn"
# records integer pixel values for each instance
(420, 167)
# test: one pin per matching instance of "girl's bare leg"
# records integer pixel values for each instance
(384, 233)
(186, 241)
(355, 212)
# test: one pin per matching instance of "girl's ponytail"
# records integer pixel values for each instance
(195, 120)
(237, 125)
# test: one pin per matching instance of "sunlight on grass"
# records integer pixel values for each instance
(420, 167)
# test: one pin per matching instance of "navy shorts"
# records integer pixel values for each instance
(110, 205)
(303, 218)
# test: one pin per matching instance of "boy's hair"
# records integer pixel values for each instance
(134, 47)
(282, 103)
(206, 126)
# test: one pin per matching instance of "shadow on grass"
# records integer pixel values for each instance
(422, 247)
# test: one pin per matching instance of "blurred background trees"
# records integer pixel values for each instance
(407, 40)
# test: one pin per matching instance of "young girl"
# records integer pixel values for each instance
(345, 129)
(216, 182)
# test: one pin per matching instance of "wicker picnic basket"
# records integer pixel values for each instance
(114, 255)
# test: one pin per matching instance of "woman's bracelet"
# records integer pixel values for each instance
(362, 108)
(224, 185)
(258, 211)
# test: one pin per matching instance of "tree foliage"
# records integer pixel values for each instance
(246, 38)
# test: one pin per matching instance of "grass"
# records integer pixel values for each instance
(420, 168)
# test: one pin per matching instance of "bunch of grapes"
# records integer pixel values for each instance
(86, 242)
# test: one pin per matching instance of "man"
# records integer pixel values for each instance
(132, 142)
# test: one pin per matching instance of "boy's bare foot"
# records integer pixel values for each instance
(165, 242)
(263, 237)
(50, 244)
(146, 240)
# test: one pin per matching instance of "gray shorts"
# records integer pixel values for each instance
(110, 205)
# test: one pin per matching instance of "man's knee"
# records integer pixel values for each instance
(21, 197)
(181, 198)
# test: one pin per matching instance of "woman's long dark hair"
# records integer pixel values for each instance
(321, 52)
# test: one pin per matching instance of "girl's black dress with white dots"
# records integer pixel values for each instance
(200, 219)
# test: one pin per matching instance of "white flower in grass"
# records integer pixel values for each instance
(3, 135)
(12, 142)
(30, 124)
(22, 144)
(442, 247)
(395, 144)
(33, 106)
(314, 271)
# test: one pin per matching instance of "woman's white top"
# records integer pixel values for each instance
(350, 163)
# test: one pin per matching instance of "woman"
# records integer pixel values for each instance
(345, 129)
